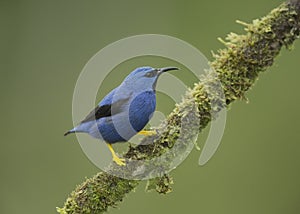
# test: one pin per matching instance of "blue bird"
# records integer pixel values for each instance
(125, 111)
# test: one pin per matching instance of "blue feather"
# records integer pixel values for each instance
(143, 104)
(126, 110)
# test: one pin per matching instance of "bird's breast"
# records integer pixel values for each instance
(141, 109)
(134, 117)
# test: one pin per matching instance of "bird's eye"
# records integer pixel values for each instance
(151, 74)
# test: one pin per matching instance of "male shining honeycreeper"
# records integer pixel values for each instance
(125, 111)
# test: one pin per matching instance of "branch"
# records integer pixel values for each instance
(237, 68)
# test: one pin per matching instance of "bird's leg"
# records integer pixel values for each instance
(147, 133)
(116, 159)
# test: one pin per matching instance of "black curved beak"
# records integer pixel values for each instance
(162, 70)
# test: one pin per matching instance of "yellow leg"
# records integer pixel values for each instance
(116, 159)
(147, 133)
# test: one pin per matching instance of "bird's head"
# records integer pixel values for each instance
(146, 77)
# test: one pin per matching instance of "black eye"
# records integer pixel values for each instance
(150, 74)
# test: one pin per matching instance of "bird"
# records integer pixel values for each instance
(125, 111)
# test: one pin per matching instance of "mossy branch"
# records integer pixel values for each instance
(237, 68)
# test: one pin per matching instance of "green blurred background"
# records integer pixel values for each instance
(45, 45)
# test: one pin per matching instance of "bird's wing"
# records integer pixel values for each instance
(104, 109)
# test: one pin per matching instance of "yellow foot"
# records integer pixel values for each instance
(147, 133)
(116, 159)
(119, 161)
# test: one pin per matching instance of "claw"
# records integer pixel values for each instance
(119, 161)
(116, 159)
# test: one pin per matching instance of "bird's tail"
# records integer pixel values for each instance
(82, 127)
(68, 132)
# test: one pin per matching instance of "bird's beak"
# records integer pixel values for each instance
(162, 70)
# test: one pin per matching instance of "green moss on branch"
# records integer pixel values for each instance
(237, 67)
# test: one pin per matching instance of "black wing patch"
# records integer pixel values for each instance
(105, 110)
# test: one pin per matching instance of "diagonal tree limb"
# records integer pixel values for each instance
(237, 67)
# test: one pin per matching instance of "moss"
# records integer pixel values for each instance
(160, 184)
(96, 194)
(237, 67)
